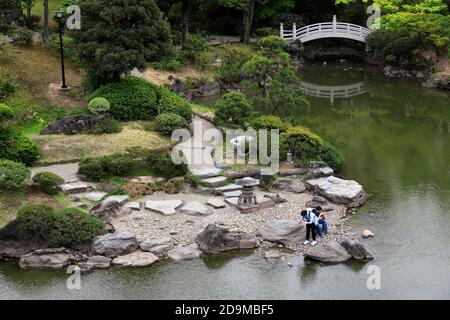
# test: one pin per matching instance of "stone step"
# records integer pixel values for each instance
(205, 172)
(228, 188)
(215, 182)
(75, 187)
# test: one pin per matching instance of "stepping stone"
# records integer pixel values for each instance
(95, 196)
(205, 172)
(232, 194)
(75, 187)
(166, 207)
(215, 182)
(195, 208)
(147, 180)
(136, 259)
(216, 203)
(228, 188)
(133, 206)
(120, 199)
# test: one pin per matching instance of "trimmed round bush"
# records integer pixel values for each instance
(6, 113)
(15, 146)
(171, 103)
(166, 123)
(13, 175)
(107, 126)
(99, 105)
(35, 221)
(64, 228)
(269, 122)
(73, 226)
(232, 110)
(130, 99)
(48, 182)
(272, 43)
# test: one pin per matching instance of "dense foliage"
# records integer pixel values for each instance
(48, 182)
(163, 166)
(99, 105)
(107, 126)
(166, 123)
(232, 110)
(13, 175)
(65, 228)
(130, 99)
(118, 36)
(171, 103)
(96, 169)
(269, 122)
(15, 146)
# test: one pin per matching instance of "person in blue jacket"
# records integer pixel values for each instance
(310, 220)
(322, 224)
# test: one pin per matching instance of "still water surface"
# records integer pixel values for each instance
(396, 138)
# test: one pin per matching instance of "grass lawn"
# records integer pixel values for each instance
(69, 148)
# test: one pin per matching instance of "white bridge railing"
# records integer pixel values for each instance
(332, 92)
(325, 30)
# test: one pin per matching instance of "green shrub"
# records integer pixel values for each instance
(6, 113)
(13, 175)
(233, 59)
(402, 46)
(99, 105)
(307, 146)
(70, 51)
(107, 126)
(130, 99)
(7, 88)
(266, 31)
(35, 221)
(166, 123)
(65, 228)
(331, 155)
(269, 122)
(171, 103)
(232, 110)
(96, 169)
(48, 182)
(195, 45)
(272, 43)
(73, 226)
(22, 36)
(15, 146)
(163, 166)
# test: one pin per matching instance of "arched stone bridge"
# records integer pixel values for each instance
(324, 30)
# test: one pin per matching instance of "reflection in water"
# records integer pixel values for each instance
(332, 92)
(219, 260)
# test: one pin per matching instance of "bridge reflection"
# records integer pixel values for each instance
(332, 92)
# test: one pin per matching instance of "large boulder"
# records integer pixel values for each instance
(95, 262)
(116, 244)
(286, 232)
(181, 252)
(210, 88)
(50, 259)
(356, 249)
(74, 124)
(347, 192)
(289, 184)
(331, 252)
(136, 259)
(216, 239)
(157, 245)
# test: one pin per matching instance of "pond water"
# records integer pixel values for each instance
(396, 138)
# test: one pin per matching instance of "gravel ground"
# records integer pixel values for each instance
(184, 228)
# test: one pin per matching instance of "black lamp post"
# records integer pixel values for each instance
(59, 15)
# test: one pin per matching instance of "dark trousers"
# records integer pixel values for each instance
(311, 229)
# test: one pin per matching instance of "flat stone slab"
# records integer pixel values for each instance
(136, 259)
(95, 196)
(286, 232)
(216, 203)
(232, 194)
(195, 208)
(136, 206)
(228, 188)
(347, 192)
(206, 172)
(188, 252)
(215, 182)
(157, 245)
(66, 171)
(165, 207)
(147, 180)
(119, 199)
(96, 262)
(75, 187)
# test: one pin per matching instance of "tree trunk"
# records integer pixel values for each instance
(46, 35)
(247, 21)
(185, 11)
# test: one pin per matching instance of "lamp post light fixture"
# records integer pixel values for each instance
(59, 16)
